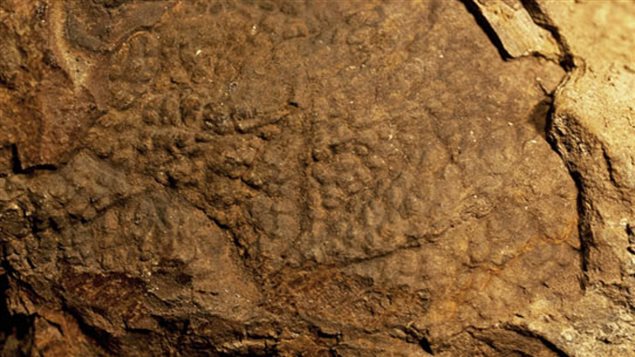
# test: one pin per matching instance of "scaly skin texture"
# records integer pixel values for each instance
(349, 178)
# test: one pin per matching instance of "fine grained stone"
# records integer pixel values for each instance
(327, 178)
(593, 128)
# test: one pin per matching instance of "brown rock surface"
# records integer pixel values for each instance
(347, 178)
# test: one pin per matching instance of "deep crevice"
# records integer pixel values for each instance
(547, 343)
(482, 22)
(18, 169)
(540, 18)
(426, 346)
(15, 329)
(584, 229)
(568, 63)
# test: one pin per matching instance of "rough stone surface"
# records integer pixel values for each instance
(338, 178)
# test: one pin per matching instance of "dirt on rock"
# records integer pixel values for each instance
(336, 178)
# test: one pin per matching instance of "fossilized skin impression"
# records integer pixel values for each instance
(332, 177)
